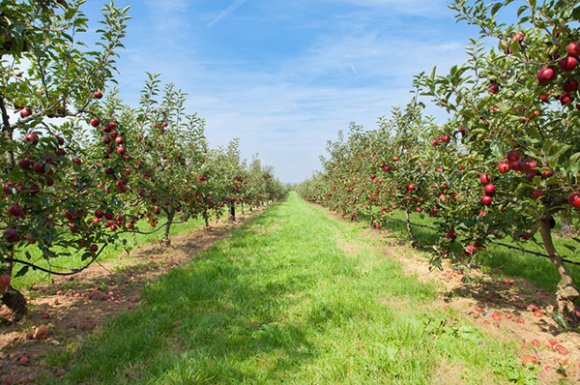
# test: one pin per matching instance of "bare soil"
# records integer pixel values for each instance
(62, 314)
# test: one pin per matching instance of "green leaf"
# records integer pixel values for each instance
(22, 271)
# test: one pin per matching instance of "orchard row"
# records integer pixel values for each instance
(79, 166)
(505, 164)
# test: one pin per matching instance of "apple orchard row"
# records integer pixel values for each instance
(505, 164)
(78, 165)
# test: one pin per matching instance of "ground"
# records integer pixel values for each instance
(295, 296)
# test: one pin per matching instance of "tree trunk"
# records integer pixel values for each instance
(233, 212)
(414, 242)
(165, 241)
(16, 302)
(567, 292)
(206, 220)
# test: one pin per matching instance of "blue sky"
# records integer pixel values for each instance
(285, 75)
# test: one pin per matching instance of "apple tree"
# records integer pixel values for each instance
(516, 106)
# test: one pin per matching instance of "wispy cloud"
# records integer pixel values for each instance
(226, 12)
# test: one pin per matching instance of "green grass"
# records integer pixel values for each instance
(293, 297)
(66, 263)
(538, 270)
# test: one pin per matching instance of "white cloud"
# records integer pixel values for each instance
(226, 12)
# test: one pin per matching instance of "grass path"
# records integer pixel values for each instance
(293, 297)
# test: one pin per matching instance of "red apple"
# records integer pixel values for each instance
(574, 48)
(545, 75)
(119, 140)
(513, 156)
(570, 85)
(11, 235)
(16, 211)
(469, 250)
(489, 189)
(486, 200)
(121, 150)
(568, 63)
(518, 36)
(410, 187)
(94, 122)
(98, 94)
(446, 138)
(4, 282)
(32, 137)
(493, 88)
(566, 98)
(25, 112)
(485, 178)
(574, 200)
(39, 168)
(25, 163)
(94, 248)
(537, 193)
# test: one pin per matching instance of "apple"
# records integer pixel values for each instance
(98, 94)
(114, 134)
(164, 124)
(570, 85)
(11, 235)
(25, 163)
(469, 250)
(410, 187)
(446, 138)
(566, 98)
(546, 75)
(489, 189)
(518, 36)
(32, 137)
(119, 140)
(16, 211)
(513, 156)
(529, 165)
(574, 48)
(33, 189)
(4, 282)
(544, 97)
(493, 88)
(77, 161)
(537, 193)
(94, 122)
(395, 158)
(574, 200)
(435, 142)
(112, 125)
(121, 150)
(568, 63)
(25, 112)
(486, 200)
(94, 248)
(39, 168)
(485, 179)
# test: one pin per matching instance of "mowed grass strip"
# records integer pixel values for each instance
(293, 297)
